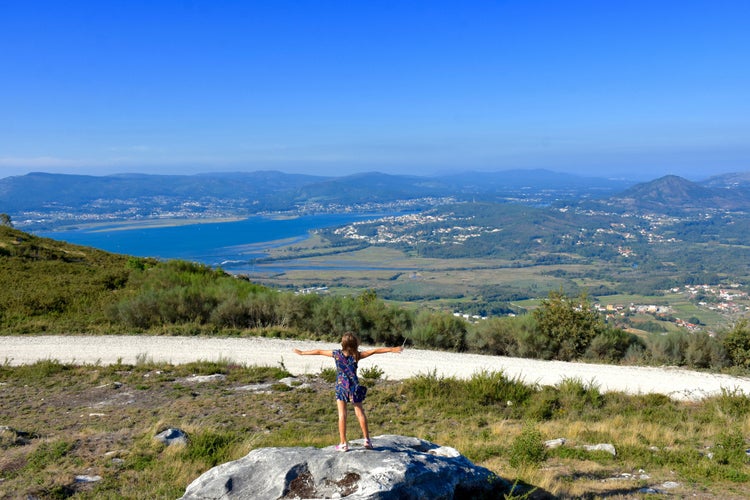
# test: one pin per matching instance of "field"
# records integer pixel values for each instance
(456, 284)
(65, 424)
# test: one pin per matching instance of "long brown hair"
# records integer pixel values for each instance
(350, 345)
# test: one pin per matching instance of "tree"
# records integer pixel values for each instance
(5, 220)
(737, 344)
(568, 324)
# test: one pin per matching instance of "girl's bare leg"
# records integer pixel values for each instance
(341, 406)
(362, 417)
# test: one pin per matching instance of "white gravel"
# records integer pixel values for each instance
(674, 382)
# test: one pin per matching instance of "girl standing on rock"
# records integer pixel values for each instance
(348, 389)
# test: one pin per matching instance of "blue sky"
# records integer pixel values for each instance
(606, 87)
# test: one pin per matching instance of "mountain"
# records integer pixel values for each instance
(534, 179)
(734, 180)
(45, 201)
(674, 195)
(38, 190)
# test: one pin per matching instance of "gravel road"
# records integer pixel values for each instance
(675, 382)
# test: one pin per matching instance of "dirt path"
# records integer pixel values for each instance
(675, 382)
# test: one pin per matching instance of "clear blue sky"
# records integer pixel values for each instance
(601, 87)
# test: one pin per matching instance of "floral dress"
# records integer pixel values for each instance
(347, 383)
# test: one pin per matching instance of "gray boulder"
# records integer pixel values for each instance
(398, 468)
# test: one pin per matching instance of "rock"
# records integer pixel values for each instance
(398, 468)
(172, 436)
(14, 436)
(555, 443)
(202, 379)
(87, 479)
(648, 491)
(267, 387)
(609, 448)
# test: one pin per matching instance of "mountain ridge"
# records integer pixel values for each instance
(38, 196)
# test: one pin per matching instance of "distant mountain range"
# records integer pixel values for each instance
(38, 195)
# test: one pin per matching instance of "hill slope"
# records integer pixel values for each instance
(675, 195)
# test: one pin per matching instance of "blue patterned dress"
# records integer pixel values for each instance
(347, 382)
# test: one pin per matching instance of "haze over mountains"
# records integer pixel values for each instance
(39, 196)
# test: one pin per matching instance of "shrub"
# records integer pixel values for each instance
(668, 349)
(440, 330)
(737, 344)
(231, 313)
(577, 397)
(494, 336)
(527, 449)
(430, 386)
(210, 447)
(704, 351)
(371, 373)
(612, 345)
(488, 388)
(328, 374)
(543, 405)
(733, 402)
(568, 324)
(730, 448)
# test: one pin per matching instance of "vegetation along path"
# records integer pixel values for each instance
(674, 382)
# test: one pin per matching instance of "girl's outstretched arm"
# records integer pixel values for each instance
(380, 350)
(312, 352)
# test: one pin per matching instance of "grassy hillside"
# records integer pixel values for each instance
(48, 285)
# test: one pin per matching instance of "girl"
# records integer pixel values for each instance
(347, 383)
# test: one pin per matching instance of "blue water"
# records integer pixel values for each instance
(226, 244)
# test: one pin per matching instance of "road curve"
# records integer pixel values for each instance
(109, 349)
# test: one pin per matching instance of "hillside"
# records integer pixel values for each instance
(46, 284)
(673, 195)
(44, 201)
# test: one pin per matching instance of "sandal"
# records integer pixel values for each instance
(342, 447)
(368, 444)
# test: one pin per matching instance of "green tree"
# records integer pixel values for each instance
(568, 324)
(5, 220)
(737, 344)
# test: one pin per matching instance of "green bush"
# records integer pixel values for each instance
(371, 373)
(730, 448)
(612, 345)
(527, 449)
(488, 388)
(439, 330)
(737, 344)
(494, 336)
(543, 405)
(567, 324)
(668, 349)
(210, 447)
(705, 351)
(732, 402)
(328, 374)
(430, 386)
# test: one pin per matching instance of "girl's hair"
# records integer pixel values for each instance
(350, 345)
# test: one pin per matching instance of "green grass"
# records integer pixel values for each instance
(101, 420)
